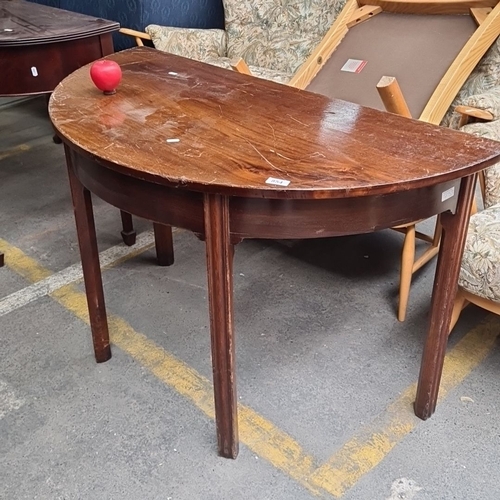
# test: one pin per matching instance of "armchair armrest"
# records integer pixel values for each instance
(485, 106)
(138, 35)
(195, 43)
(470, 112)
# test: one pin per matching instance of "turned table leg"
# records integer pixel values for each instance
(443, 294)
(219, 252)
(84, 217)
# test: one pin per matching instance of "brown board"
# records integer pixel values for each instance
(416, 49)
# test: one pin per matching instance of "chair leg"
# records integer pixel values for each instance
(458, 305)
(438, 232)
(128, 233)
(164, 244)
(407, 260)
(2, 259)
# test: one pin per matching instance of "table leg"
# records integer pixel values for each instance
(164, 244)
(128, 232)
(84, 217)
(443, 294)
(220, 294)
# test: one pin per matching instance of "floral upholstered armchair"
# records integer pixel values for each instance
(273, 39)
(479, 280)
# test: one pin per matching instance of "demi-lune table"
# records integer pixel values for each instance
(229, 156)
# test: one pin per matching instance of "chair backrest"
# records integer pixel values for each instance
(277, 34)
(485, 77)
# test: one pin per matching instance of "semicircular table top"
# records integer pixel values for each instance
(170, 112)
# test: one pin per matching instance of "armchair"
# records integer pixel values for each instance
(479, 280)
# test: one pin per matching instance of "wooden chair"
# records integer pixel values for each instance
(343, 49)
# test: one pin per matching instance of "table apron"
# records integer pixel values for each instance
(275, 218)
(265, 218)
(38, 69)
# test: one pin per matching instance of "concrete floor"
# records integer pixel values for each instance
(326, 373)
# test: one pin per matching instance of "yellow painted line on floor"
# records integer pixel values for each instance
(371, 444)
(361, 454)
(260, 435)
(20, 263)
(32, 271)
(14, 151)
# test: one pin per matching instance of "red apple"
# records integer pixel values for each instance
(106, 75)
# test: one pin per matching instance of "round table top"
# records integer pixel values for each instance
(27, 23)
(179, 122)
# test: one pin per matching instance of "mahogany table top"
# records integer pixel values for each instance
(27, 23)
(179, 122)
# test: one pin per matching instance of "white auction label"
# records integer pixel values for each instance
(446, 195)
(353, 65)
(277, 182)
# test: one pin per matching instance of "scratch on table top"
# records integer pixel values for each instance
(192, 155)
(274, 133)
(266, 160)
(280, 155)
(298, 121)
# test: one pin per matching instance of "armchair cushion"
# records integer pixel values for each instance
(488, 101)
(265, 73)
(480, 271)
(200, 44)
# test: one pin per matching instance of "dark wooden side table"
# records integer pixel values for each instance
(229, 156)
(40, 45)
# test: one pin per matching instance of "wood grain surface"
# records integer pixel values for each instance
(179, 122)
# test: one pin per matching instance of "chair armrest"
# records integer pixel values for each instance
(138, 35)
(195, 43)
(471, 112)
(485, 106)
